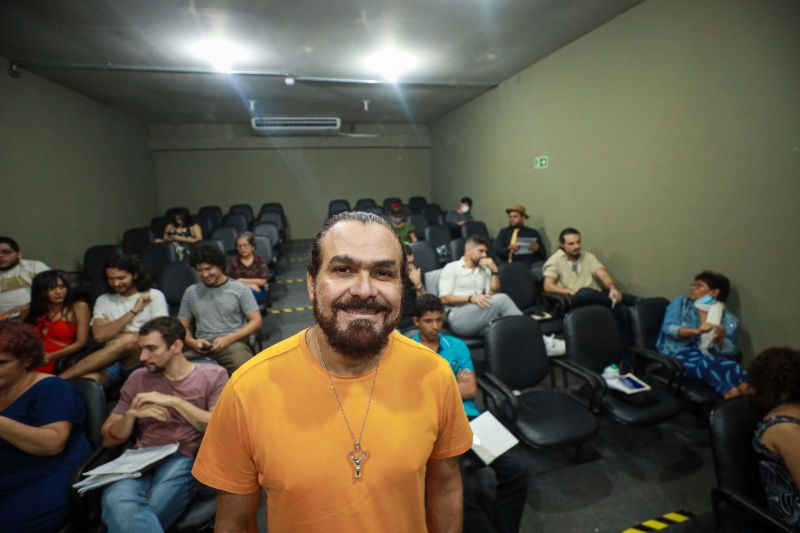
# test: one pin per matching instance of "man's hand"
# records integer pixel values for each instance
(483, 301)
(220, 343)
(487, 262)
(150, 410)
(199, 345)
(534, 247)
(141, 303)
(464, 376)
(152, 397)
(615, 295)
(415, 275)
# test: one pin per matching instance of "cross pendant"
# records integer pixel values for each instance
(357, 457)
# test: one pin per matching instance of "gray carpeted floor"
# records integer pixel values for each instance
(625, 476)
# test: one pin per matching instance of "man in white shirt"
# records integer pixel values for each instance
(470, 288)
(116, 321)
(16, 275)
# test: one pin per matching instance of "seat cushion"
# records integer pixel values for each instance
(548, 419)
(662, 406)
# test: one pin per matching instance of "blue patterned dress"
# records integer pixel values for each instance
(782, 494)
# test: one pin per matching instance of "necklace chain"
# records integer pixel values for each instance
(356, 441)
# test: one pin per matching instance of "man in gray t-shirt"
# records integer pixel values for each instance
(223, 310)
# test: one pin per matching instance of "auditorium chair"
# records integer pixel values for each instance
(158, 225)
(434, 214)
(92, 277)
(205, 222)
(732, 423)
(236, 220)
(135, 240)
(362, 204)
(214, 243)
(242, 209)
(337, 206)
(424, 256)
(157, 256)
(214, 212)
(227, 236)
(593, 343)
(173, 281)
(474, 227)
(439, 237)
(275, 218)
(265, 252)
(419, 222)
(516, 365)
(456, 248)
(271, 231)
(417, 204)
(516, 282)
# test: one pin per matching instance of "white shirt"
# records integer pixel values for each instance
(458, 280)
(15, 283)
(113, 306)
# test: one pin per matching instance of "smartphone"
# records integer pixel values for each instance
(632, 383)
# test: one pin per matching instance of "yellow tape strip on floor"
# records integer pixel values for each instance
(290, 310)
(662, 522)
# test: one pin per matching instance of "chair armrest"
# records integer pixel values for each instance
(596, 384)
(560, 301)
(670, 365)
(499, 394)
(752, 508)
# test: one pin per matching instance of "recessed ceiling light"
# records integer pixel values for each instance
(220, 53)
(390, 63)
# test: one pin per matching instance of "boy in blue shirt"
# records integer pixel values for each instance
(510, 470)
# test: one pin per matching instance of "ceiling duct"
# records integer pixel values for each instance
(283, 126)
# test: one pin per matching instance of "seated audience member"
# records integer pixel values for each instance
(460, 215)
(41, 435)
(117, 317)
(169, 400)
(509, 468)
(402, 227)
(59, 321)
(572, 272)
(517, 243)
(470, 288)
(699, 331)
(412, 288)
(248, 268)
(223, 310)
(774, 377)
(181, 232)
(16, 276)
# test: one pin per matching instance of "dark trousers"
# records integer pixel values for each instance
(503, 513)
(588, 296)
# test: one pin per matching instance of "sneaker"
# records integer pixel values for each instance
(554, 346)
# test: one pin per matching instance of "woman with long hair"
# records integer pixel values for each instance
(61, 322)
(181, 232)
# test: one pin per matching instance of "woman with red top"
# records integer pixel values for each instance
(248, 268)
(60, 322)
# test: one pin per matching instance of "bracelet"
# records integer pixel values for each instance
(469, 299)
(134, 313)
(495, 273)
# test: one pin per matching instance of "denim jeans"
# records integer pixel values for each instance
(152, 502)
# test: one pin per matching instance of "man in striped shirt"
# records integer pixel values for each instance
(224, 312)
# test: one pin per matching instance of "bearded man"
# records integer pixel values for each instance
(348, 425)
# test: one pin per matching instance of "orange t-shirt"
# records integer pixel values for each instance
(277, 425)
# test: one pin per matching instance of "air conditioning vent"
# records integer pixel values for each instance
(296, 125)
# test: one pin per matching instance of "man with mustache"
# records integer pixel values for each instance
(348, 425)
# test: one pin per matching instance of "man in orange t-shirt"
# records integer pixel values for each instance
(348, 425)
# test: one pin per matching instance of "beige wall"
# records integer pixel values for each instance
(74, 173)
(674, 140)
(224, 165)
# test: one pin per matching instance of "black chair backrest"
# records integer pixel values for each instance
(271, 216)
(515, 351)
(272, 206)
(157, 256)
(516, 282)
(214, 212)
(95, 259)
(94, 401)
(424, 256)
(227, 236)
(242, 209)
(205, 222)
(474, 227)
(264, 248)
(417, 204)
(646, 319)
(134, 240)
(592, 337)
(158, 225)
(439, 237)
(213, 243)
(363, 203)
(267, 229)
(173, 281)
(378, 210)
(338, 205)
(433, 213)
(387, 202)
(170, 212)
(457, 248)
(236, 220)
(732, 424)
(420, 223)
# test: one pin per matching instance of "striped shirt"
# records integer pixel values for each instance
(217, 311)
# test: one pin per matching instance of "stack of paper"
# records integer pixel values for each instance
(128, 465)
(490, 438)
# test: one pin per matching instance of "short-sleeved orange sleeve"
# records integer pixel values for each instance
(225, 458)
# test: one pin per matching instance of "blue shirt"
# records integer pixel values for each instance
(681, 313)
(457, 354)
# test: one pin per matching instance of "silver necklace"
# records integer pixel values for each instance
(357, 456)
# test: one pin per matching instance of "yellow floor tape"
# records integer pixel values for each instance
(291, 310)
(662, 522)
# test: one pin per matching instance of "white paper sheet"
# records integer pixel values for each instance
(134, 460)
(490, 438)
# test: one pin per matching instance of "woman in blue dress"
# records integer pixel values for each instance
(41, 435)
(775, 379)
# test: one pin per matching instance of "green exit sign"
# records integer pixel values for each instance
(541, 161)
